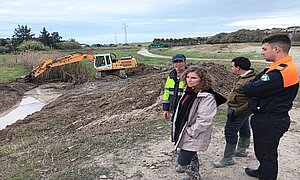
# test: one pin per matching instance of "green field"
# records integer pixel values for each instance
(10, 69)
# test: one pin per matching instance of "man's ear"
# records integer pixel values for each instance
(277, 49)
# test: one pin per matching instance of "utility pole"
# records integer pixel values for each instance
(116, 38)
(125, 26)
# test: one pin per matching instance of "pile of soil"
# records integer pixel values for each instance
(59, 141)
(94, 108)
(12, 92)
(113, 103)
(221, 78)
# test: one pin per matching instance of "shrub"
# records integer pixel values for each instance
(3, 50)
(69, 45)
(32, 45)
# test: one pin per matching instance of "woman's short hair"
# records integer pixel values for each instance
(205, 82)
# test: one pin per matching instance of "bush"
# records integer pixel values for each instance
(32, 45)
(3, 50)
(69, 45)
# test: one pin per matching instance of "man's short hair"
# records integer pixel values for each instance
(242, 63)
(282, 40)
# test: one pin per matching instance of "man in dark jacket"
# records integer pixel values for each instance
(271, 95)
(237, 114)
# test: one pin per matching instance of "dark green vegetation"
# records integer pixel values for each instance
(240, 36)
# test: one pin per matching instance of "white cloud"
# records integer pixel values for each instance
(96, 21)
(279, 21)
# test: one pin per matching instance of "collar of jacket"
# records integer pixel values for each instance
(218, 97)
(248, 73)
(281, 61)
(173, 74)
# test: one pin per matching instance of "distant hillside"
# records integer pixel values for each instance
(240, 36)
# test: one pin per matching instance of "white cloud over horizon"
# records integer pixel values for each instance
(98, 21)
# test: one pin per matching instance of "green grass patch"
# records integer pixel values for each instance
(26, 172)
(10, 69)
(10, 73)
(221, 117)
(91, 172)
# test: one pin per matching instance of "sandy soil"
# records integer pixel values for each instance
(97, 107)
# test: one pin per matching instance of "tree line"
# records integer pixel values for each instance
(23, 39)
(239, 36)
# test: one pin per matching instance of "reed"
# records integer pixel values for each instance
(74, 72)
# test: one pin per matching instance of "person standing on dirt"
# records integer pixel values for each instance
(237, 114)
(192, 124)
(174, 86)
(271, 94)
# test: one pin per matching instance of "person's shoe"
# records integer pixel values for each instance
(252, 172)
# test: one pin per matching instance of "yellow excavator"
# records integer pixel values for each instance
(103, 64)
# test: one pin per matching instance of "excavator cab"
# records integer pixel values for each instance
(103, 62)
(109, 64)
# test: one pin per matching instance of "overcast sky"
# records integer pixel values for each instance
(103, 21)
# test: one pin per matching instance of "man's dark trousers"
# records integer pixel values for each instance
(267, 131)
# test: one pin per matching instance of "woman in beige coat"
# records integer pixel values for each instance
(193, 119)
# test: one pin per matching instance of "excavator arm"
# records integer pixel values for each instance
(49, 63)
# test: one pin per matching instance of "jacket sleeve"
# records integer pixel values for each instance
(264, 86)
(166, 102)
(207, 109)
(242, 109)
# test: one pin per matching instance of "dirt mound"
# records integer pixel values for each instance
(222, 79)
(92, 110)
(146, 69)
(12, 92)
(113, 104)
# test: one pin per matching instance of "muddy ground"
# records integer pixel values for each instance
(113, 129)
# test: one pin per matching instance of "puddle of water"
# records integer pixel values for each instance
(34, 100)
(27, 106)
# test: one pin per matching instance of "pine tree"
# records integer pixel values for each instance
(45, 37)
(22, 33)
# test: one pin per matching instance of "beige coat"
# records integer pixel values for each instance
(196, 133)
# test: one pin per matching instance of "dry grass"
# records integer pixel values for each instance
(35, 58)
(74, 72)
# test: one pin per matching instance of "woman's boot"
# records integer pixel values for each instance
(190, 174)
